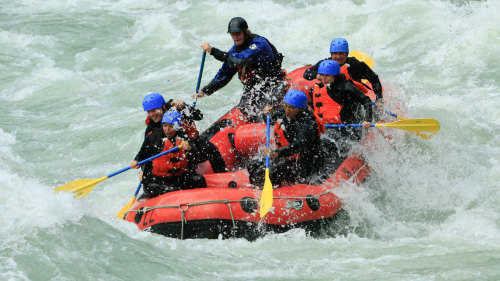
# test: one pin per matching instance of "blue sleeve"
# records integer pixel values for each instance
(258, 52)
(225, 74)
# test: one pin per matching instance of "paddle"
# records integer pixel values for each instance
(199, 78)
(82, 187)
(413, 125)
(121, 213)
(266, 201)
(362, 56)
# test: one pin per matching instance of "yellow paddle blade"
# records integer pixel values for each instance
(362, 56)
(266, 201)
(428, 136)
(80, 188)
(121, 213)
(414, 125)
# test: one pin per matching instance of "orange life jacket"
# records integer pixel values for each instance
(360, 86)
(172, 164)
(325, 107)
(280, 139)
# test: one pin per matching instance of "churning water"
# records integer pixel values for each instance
(72, 78)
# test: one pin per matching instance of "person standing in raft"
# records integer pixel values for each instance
(258, 65)
(336, 92)
(172, 171)
(297, 135)
(156, 107)
(352, 68)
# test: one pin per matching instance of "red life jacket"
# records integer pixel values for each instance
(190, 129)
(245, 74)
(360, 86)
(280, 139)
(172, 164)
(325, 107)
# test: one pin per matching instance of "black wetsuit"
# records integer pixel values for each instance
(357, 70)
(188, 113)
(156, 185)
(351, 99)
(303, 138)
(207, 150)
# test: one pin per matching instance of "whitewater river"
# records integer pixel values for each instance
(72, 78)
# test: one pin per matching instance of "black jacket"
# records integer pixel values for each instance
(302, 136)
(357, 70)
(188, 113)
(349, 97)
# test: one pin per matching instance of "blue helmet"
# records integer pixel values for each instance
(329, 67)
(153, 101)
(296, 98)
(339, 45)
(174, 118)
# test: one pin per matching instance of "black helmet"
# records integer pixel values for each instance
(237, 24)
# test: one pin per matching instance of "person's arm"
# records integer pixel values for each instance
(193, 113)
(190, 113)
(305, 136)
(149, 128)
(312, 72)
(361, 70)
(361, 98)
(310, 101)
(146, 150)
(221, 79)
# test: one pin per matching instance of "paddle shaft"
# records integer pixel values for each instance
(346, 125)
(266, 200)
(144, 161)
(267, 138)
(121, 213)
(137, 190)
(199, 77)
(412, 125)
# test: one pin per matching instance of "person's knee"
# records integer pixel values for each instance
(199, 181)
(256, 172)
(156, 189)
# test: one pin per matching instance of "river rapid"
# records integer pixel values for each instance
(72, 78)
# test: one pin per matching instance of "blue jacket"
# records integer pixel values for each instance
(255, 60)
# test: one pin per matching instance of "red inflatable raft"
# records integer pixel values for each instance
(229, 206)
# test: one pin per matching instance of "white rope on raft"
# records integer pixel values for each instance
(223, 201)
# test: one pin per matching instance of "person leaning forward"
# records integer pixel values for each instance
(335, 92)
(172, 171)
(297, 135)
(258, 65)
(156, 107)
(352, 68)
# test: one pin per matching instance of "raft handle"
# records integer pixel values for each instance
(313, 202)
